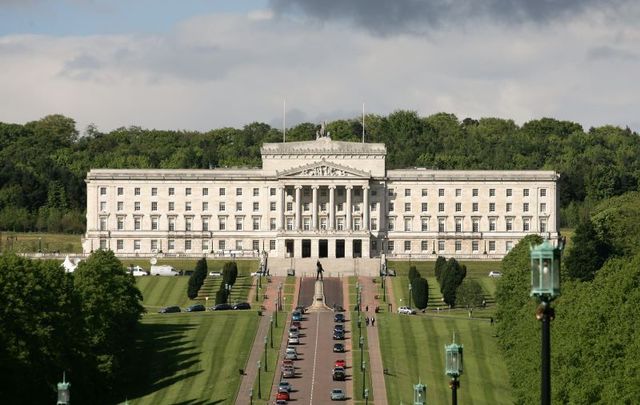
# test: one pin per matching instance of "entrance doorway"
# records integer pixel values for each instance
(306, 247)
(357, 248)
(288, 243)
(323, 248)
(339, 248)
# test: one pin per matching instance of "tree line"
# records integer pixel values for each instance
(43, 163)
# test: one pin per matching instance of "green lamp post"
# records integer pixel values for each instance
(271, 330)
(64, 392)
(265, 354)
(366, 396)
(251, 397)
(545, 286)
(364, 379)
(410, 288)
(453, 367)
(419, 394)
(259, 386)
(361, 355)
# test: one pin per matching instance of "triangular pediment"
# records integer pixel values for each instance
(324, 169)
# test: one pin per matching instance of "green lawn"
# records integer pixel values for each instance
(32, 242)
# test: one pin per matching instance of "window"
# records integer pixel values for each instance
(272, 224)
(289, 224)
(172, 206)
(154, 223)
(272, 192)
(289, 206)
(222, 244)
(171, 244)
(205, 245)
(474, 246)
(492, 224)
(205, 191)
(356, 208)
(543, 207)
(305, 206)
(305, 191)
(272, 206)
(136, 191)
(509, 192)
(458, 245)
(441, 223)
(120, 224)
(492, 192)
(119, 244)
(525, 207)
(492, 207)
(373, 207)
(407, 192)
(205, 224)
(103, 205)
(424, 207)
(256, 206)
(340, 224)
(458, 224)
(356, 224)
(440, 246)
(458, 207)
(407, 245)
(136, 206)
(188, 224)
(526, 224)
(508, 245)
(238, 206)
(543, 192)
(391, 206)
(374, 245)
(407, 207)
(172, 191)
(425, 192)
(509, 224)
(103, 224)
(424, 245)
(222, 223)
(323, 192)
(323, 224)
(543, 225)
(205, 206)
(187, 244)
(238, 191)
(474, 192)
(154, 206)
(441, 192)
(120, 205)
(440, 207)
(525, 192)
(256, 223)
(187, 206)
(136, 244)
(221, 192)
(509, 207)
(424, 224)
(340, 206)
(374, 224)
(239, 223)
(272, 244)
(103, 191)
(475, 225)
(492, 246)
(120, 190)
(187, 191)
(172, 223)
(390, 246)
(256, 192)
(407, 224)
(255, 245)
(458, 192)
(474, 207)
(391, 224)
(222, 206)
(390, 192)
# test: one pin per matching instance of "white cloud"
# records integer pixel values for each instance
(229, 69)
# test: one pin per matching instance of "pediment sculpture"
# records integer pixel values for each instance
(323, 171)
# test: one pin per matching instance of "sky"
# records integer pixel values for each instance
(200, 65)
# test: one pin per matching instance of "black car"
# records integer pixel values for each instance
(338, 328)
(338, 348)
(338, 318)
(222, 307)
(242, 305)
(195, 308)
(300, 309)
(169, 310)
(338, 335)
(338, 374)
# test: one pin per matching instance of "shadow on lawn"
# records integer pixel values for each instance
(162, 352)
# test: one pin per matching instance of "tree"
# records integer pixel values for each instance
(439, 266)
(413, 273)
(587, 254)
(197, 278)
(420, 292)
(469, 294)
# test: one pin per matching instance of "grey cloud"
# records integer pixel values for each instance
(606, 52)
(387, 17)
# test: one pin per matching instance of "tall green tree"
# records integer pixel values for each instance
(469, 294)
(587, 254)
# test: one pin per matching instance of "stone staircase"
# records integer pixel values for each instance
(306, 267)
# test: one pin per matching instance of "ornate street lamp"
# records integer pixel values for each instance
(366, 396)
(259, 387)
(251, 397)
(271, 330)
(361, 355)
(64, 392)
(453, 367)
(364, 379)
(265, 354)
(419, 394)
(545, 286)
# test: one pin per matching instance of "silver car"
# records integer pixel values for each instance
(337, 395)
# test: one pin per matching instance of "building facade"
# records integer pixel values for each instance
(319, 198)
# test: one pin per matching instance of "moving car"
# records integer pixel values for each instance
(284, 386)
(338, 318)
(338, 395)
(338, 348)
(338, 374)
(406, 310)
(242, 305)
(495, 274)
(169, 310)
(195, 308)
(221, 307)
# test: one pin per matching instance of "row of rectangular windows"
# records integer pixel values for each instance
(474, 192)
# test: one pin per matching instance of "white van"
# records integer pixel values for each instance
(164, 270)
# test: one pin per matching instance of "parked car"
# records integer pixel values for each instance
(242, 305)
(287, 363)
(215, 274)
(341, 363)
(296, 316)
(301, 309)
(195, 308)
(169, 310)
(338, 318)
(495, 274)
(293, 340)
(338, 395)
(139, 273)
(259, 273)
(338, 335)
(338, 348)
(280, 402)
(289, 372)
(291, 353)
(297, 324)
(406, 310)
(338, 327)
(222, 307)
(338, 374)
(163, 270)
(283, 396)
(284, 386)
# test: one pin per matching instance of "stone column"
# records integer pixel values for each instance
(283, 207)
(348, 208)
(365, 208)
(332, 208)
(314, 208)
(298, 208)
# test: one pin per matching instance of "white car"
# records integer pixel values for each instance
(139, 273)
(337, 395)
(215, 274)
(294, 340)
(406, 310)
(258, 273)
(291, 354)
(495, 274)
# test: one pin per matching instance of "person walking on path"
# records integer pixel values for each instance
(366, 320)
(366, 308)
(373, 321)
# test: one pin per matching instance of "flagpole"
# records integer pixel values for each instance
(284, 120)
(362, 122)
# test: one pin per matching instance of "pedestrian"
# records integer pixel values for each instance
(491, 320)
(373, 321)
(366, 308)
(366, 320)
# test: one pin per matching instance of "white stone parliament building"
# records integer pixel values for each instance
(318, 199)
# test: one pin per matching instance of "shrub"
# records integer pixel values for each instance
(420, 292)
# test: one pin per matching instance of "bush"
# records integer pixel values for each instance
(229, 273)
(221, 296)
(420, 292)
(439, 266)
(197, 278)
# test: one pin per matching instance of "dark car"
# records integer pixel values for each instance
(242, 305)
(338, 328)
(338, 348)
(338, 318)
(169, 310)
(338, 335)
(338, 374)
(297, 316)
(222, 307)
(195, 308)
(301, 309)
